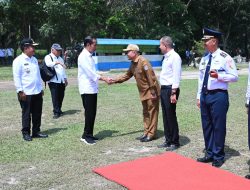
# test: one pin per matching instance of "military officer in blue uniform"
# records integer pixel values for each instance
(247, 106)
(216, 70)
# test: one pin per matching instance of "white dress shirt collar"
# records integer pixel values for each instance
(87, 52)
(168, 53)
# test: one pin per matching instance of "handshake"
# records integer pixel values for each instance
(108, 80)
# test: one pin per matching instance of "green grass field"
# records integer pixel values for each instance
(63, 162)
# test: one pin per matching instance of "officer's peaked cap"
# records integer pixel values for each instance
(209, 33)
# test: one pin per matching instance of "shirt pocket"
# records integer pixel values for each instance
(138, 73)
(26, 68)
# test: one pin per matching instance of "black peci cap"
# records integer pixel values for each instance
(28, 42)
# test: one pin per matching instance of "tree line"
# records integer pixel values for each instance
(69, 21)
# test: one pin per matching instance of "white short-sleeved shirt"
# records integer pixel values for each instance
(225, 67)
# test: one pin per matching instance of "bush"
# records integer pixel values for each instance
(40, 53)
(199, 48)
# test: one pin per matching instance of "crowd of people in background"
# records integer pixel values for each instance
(6, 56)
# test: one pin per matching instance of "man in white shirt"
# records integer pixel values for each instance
(29, 88)
(247, 106)
(170, 77)
(9, 52)
(58, 83)
(217, 69)
(88, 87)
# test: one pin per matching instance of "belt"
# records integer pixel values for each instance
(166, 86)
(214, 91)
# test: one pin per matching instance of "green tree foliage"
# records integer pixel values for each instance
(69, 21)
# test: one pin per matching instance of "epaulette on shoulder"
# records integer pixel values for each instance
(223, 54)
(143, 60)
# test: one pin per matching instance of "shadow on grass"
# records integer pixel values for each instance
(160, 134)
(183, 139)
(54, 130)
(105, 134)
(71, 112)
(109, 133)
(230, 152)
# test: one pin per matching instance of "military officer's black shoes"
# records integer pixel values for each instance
(217, 163)
(27, 137)
(141, 137)
(39, 135)
(247, 176)
(205, 159)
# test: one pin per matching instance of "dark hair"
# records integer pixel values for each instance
(88, 40)
(22, 46)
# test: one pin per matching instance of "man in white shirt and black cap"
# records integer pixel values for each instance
(29, 88)
(58, 83)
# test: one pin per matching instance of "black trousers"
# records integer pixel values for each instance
(31, 110)
(171, 129)
(57, 95)
(89, 102)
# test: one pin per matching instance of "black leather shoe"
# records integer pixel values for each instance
(147, 139)
(141, 137)
(27, 137)
(39, 135)
(247, 176)
(56, 116)
(172, 147)
(205, 159)
(164, 145)
(217, 163)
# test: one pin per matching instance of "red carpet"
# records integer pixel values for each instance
(170, 171)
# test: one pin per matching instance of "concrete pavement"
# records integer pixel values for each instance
(9, 85)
